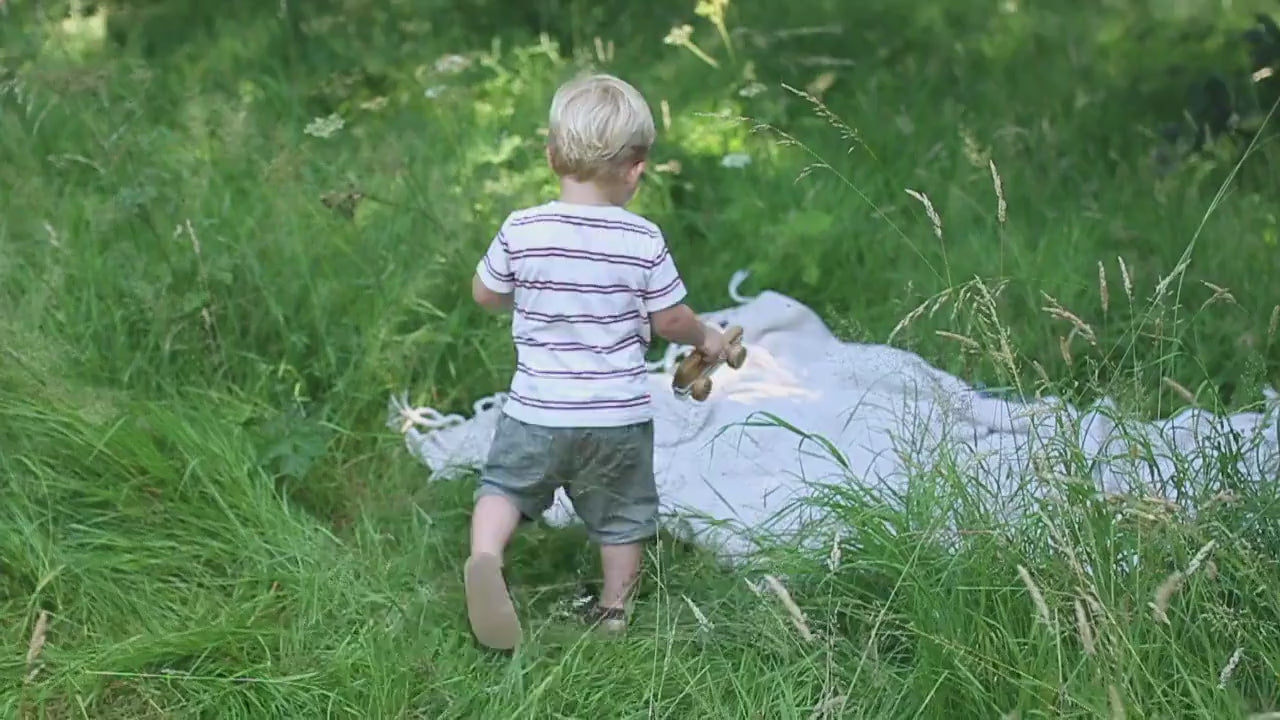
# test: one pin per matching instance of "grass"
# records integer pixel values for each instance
(207, 305)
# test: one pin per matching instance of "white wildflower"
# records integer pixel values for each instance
(679, 35)
(325, 127)
(450, 64)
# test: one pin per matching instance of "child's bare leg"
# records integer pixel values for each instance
(511, 487)
(493, 522)
(489, 607)
(621, 565)
(615, 495)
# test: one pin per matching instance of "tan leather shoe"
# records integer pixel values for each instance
(489, 607)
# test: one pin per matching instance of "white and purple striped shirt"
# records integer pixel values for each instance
(585, 279)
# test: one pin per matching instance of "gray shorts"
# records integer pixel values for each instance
(606, 471)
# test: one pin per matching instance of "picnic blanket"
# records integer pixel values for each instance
(809, 411)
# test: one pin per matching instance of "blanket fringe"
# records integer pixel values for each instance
(403, 417)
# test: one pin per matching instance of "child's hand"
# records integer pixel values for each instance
(713, 347)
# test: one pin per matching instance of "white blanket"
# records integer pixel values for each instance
(893, 419)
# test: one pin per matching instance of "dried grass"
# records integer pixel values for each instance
(1081, 328)
(1085, 629)
(797, 616)
(1037, 598)
(1104, 294)
(934, 218)
(1175, 581)
(1178, 388)
(1230, 668)
(967, 342)
(829, 708)
(1002, 208)
(35, 646)
(1115, 702)
(1126, 279)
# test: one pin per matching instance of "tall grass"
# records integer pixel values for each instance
(210, 287)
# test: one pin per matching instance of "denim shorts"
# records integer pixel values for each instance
(606, 471)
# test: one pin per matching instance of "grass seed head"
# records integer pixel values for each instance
(1103, 294)
(1002, 208)
(1085, 629)
(35, 646)
(1037, 598)
(1201, 555)
(797, 616)
(1164, 593)
(1056, 309)
(929, 210)
(704, 624)
(1181, 390)
(966, 342)
(1230, 668)
(1126, 279)
(1115, 702)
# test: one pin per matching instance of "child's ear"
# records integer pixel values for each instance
(633, 175)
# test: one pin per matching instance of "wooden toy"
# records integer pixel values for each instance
(692, 376)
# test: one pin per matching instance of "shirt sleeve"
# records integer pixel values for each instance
(663, 286)
(494, 268)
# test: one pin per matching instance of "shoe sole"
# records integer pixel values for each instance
(606, 626)
(612, 628)
(489, 607)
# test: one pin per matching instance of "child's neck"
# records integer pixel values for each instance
(586, 193)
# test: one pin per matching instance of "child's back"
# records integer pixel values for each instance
(585, 279)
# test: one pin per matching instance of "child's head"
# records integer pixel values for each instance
(601, 132)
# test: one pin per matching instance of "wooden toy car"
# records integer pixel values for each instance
(692, 376)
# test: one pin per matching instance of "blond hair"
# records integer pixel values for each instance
(600, 126)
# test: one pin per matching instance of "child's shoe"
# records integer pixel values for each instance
(489, 607)
(611, 621)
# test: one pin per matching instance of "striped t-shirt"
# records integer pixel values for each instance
(585, 279)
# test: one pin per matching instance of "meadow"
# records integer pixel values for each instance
(228, 235)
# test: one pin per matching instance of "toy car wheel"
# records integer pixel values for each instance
(700, 389)
(737, 357)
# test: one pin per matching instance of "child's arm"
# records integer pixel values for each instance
(669, 316)
(487, 298)
(493, 285)
(680, 325)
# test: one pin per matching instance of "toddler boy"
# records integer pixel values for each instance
(586, 280)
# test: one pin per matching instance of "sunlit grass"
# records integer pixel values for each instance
(78, 34)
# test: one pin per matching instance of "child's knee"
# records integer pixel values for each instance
(624, 521)
(531, 504)
(630, 534)
(517, 467)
